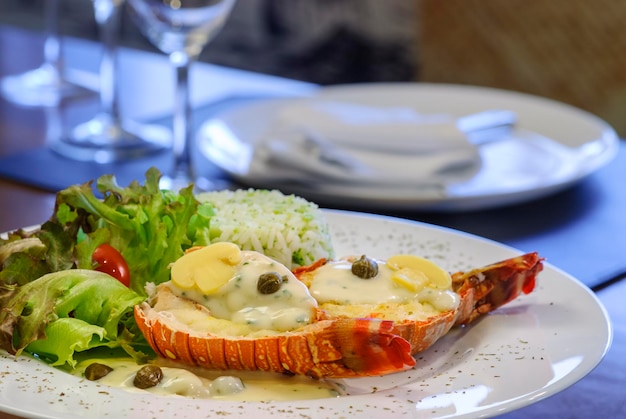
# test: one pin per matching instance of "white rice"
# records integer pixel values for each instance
(286, 228)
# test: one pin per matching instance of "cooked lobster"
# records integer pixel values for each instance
(329, 345)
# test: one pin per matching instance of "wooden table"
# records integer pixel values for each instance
(581, 230)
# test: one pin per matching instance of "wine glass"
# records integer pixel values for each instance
(45, 85)
(106, 137)
(181, 29)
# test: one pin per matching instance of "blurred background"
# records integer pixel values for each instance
(569, 50)
(326, 42)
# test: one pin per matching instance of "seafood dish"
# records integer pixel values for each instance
(254, 314)
(242, 280)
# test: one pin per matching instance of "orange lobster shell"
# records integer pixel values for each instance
(340, 347)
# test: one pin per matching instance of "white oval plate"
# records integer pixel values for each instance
(552, 146)
(528, 350)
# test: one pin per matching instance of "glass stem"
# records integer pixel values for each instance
(107, 14)
(182, 128)
(52, 44)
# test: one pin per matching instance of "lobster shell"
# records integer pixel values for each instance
(326, 348)
(334, 346)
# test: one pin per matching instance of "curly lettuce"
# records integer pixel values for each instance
(149, 226)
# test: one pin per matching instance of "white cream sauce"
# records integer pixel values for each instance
(335, 283)
(239, 301)
(204, 384)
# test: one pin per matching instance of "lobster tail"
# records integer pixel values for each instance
(485, 289)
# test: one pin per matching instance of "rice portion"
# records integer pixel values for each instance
(287, 228)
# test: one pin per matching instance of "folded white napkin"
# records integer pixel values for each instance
(363, 144)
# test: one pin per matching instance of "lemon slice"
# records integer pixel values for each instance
(437, 277)
(207, 268)
(410, 279)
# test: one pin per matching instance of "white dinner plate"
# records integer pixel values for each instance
(552, 146)
(530, 349)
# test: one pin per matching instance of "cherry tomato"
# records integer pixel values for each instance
(110, 261)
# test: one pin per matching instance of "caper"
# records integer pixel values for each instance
(148, 376)
(269, 282)
(96, 371)
(365, 267)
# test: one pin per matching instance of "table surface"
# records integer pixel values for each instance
(581, 230)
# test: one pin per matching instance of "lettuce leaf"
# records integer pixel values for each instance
(27, 255)
(64, 337)
(69, 311)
